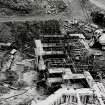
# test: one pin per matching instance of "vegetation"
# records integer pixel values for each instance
(4, 90)
(11, 77)
(24, 32)
(28, 7)
(20, 84)
(5, 34)
(98, 18)
(59, 5)
(21, 5)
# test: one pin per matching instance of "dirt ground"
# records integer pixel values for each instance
(99, 3)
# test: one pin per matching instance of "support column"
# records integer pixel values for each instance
(66, 99)
(70, 98)
(85, 99)
(97, 91)
(78, 99)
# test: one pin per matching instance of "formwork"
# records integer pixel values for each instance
(63, 52)
(54, 58)
(79, 54)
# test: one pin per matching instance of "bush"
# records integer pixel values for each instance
(20, 5)
(24, 33)
(20, 84)
(98, 18)
(4, 90)
(61, 5)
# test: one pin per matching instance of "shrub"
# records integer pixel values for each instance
(4, 90)
(21, 5)
(98, 18)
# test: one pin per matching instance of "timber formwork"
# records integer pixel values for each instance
(54, 57)
(62, 56)
(79, 54)
(61, 53)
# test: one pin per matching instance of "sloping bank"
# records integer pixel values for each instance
(99, 3)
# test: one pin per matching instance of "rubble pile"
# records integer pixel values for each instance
(55, 6)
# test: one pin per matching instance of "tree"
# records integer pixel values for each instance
(97, 17)
(61, 5)
(19, 31)
(25, 33)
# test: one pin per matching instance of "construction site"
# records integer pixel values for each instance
(64, 64)
(57, 60)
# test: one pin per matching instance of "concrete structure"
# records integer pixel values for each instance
(53, 56)
(46, 49)
(78, 50)
(82, 96)
(77, 88)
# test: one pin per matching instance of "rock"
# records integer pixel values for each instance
(2, 76)
(28, 77)
(33, 102)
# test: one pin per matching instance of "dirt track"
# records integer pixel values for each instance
(29, 18)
